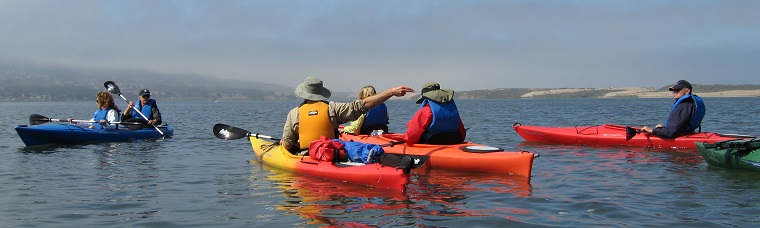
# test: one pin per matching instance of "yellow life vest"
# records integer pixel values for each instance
(313, 122)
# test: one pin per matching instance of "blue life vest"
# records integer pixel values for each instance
(375, 116)
(101, 114)
(146, 110)
(445, 118)
(696, 115)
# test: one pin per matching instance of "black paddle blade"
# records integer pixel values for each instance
(112, 87)
(36, 119)
(135, 123)
(629, 133)
(228, 132)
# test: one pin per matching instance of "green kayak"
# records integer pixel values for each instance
(739, 154)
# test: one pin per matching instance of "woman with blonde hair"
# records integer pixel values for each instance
(375, 119)
(107, 113)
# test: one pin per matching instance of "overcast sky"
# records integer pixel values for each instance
(464, 45)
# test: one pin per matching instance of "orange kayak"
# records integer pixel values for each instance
(370, 174)
(466, 156)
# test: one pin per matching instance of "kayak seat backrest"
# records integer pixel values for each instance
(368, 130)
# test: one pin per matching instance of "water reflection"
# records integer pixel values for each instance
(128, 175)
(429, 196)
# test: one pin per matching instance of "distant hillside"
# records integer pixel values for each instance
(25, 82)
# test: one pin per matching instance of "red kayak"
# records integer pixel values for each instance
(616, 135)
(465, 156)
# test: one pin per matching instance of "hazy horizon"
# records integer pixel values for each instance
(467, 45)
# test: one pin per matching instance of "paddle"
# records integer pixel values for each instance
(630, 132)
(228, 132)
(133, 123)
(113, 88)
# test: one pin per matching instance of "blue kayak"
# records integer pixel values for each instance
(73, 134)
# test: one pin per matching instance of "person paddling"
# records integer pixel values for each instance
(147, 106)
(686, 114)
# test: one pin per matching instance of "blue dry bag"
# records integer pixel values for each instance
(360, 152)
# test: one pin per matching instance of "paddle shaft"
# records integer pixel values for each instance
(82, 121)
(143, 116)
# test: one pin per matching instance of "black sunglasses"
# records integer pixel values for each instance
(146, 96)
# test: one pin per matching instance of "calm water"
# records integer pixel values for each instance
(194, 179)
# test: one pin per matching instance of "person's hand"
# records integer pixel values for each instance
(103, 122)
(70, 119)
(659, 126)
(646, 129)
(401, 91)
(150, 122)
(130, 105)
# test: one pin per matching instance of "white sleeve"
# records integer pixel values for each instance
(112, 116)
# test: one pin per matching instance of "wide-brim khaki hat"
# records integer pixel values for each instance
(312, 89)
(433, 91)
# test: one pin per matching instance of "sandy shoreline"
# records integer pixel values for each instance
(642, 92)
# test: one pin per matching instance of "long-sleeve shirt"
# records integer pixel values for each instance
(421, 120)
(339, 113)
(678, 121)
(355, 126)
(156, 114)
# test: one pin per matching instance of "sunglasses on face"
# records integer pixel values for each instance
(676, 90)
(146, 96)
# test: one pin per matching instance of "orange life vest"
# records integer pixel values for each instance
(313, 122)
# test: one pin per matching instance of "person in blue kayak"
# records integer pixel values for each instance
(437, 121)
(686, 114)
(375, 119)
(147, 106)
(106, 114)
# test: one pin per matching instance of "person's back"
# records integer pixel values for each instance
(301, 129)
(437, 121)
(297, 134)
(375, 119)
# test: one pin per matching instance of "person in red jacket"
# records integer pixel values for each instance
(437, 121)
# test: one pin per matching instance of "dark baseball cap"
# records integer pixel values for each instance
(680, 85)
(146, 92)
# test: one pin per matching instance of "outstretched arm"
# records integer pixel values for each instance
(377, 99)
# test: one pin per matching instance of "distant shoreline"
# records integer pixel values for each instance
(609, 92)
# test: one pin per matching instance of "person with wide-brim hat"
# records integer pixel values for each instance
(686, 114)
(317, 117)
(437, 121)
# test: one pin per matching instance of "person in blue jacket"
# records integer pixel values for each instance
(375, 119)
(686, 114)
(147, 106)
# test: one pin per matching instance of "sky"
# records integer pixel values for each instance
(463, 45)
